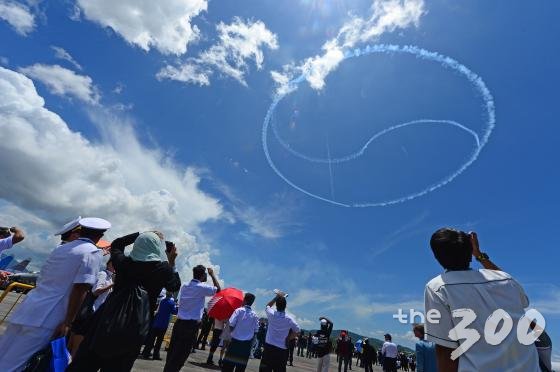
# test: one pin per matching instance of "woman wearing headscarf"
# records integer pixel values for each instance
(122, 322)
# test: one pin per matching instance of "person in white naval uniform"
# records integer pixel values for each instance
(48, 310)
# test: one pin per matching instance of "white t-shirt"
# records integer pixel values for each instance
(279, 325)
(6, 243)
(482, 291)
(45, 306)
(104, 279)
(192, 298)
(245, 323)
(389, 350)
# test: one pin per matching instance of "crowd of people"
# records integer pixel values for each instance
(112, 316)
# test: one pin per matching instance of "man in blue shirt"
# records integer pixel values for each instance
(425, 351)
(167, 307)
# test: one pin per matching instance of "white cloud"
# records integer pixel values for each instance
(18, 15)
(549, 305)
(387, 16)
(64, 82)
(238, 42)
(54, 174)
(163, 25)
(271, 221)
(306, 296)
(61, 53)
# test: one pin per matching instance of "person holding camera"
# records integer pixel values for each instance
(481, 292)
(10, 236)
(189, 315)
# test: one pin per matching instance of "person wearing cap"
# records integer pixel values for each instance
(70, 231)
(280, 325)
(344, 350)
(189, 316)
(244, 323)
(390, 353)
(48, 310)
(323, 345)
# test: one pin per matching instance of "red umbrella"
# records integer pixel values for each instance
(224, 303)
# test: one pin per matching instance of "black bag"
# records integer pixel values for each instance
(40, 361)
(121, 324)
(83, 319)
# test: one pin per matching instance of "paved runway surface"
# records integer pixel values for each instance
(196, 363)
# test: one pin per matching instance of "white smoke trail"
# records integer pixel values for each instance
(446, 62)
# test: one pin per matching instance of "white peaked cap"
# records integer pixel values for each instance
(323, 321)
(69, 226)
(95, 223)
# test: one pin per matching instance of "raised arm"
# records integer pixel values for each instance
(273, 301)
(17, 236)
(214, 279)
(479, 256)
(118, 245)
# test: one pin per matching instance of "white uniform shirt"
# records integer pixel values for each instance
(389, 349)
(482, 291)
(245, 323)
(104, 279)
(191, 299)
(6, 243)
(279, 325)
(45, 306)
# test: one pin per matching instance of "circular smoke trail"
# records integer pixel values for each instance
(444, 61)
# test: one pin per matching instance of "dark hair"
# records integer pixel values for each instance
(93, 235)
(388, 337)
(281, 304)
(169, 246)
(249, 299)
(198, 271)
(419, 328)
(452, 248)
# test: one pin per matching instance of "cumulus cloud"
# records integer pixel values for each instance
(64, 82)
(386, 16)
(163, 25)
(18, 15)
(51, 174)
(61, 53)
(238, 43)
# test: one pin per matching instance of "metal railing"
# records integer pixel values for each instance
(9, 289)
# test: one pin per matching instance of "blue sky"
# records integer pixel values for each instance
(187, 156)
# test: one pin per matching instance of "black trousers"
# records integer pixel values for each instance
(202, 338)
(368, 366)
(390, 364)
(300, 350)
(291, 354)
(154, 341)
(237, 356)
(344, 360)
(88, 361)
(273, 359)
(182, 342)
(214, 343)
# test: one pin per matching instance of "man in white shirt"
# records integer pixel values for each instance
(103, 285)
(459, 290)
(191, 307)
(244, 323)
(390, 352)
(9, 237)
(275, 353)
(48, 310)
